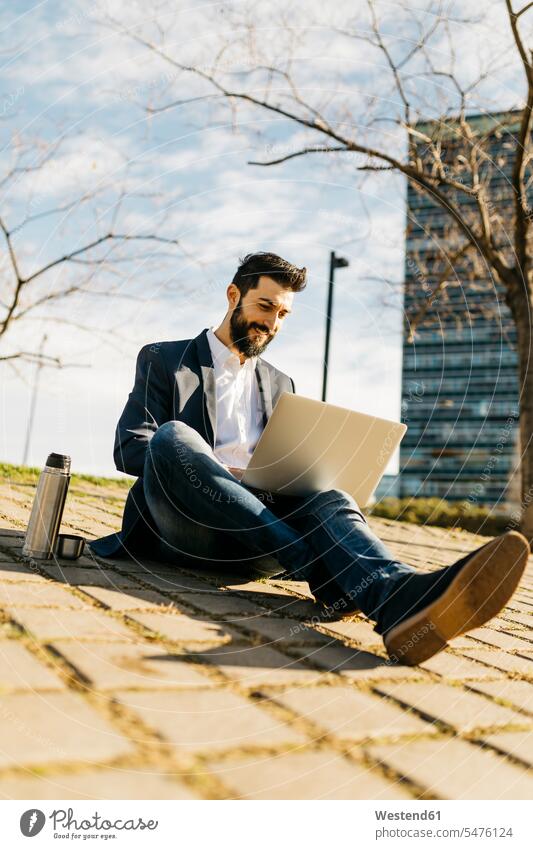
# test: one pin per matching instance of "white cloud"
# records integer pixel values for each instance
(83, 164)
(82, 76)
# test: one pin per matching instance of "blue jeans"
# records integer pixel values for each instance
(204, 513)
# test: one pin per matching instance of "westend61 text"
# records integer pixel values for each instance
(407, 815)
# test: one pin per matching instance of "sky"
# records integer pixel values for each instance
(76, 80)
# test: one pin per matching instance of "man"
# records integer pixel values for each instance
(187, 431)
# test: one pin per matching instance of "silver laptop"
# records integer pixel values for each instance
(309, 445)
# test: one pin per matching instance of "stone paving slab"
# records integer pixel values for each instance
(270, 588)
(258, 666)
(130, 665)
(33, 594)
(517, 744)
(76, 575)
(206, 721)
(187, 630)
(515, 619)
(360, 633)
(172, 579)
(357, 665)
(130, 679)
(504, 661)
(520, 607)
(21, 670)
(56, 623)
(169, 581)
(98, 784)
(73, 731)
(305, 775)
(454, 667)
(501, 640)
(525, 598)
(287, 605)
(450, 768)
(350, 715)
(286, 631)
(225, 604)
(463, 711)
(518, 694)
(134, 599)
(10, 534)
(13, 572)
(510, 626)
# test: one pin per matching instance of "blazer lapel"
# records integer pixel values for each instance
(265, 388)
(207, 373)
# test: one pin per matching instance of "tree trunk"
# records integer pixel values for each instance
(524, 325)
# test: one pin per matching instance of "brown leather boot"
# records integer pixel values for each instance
(428, 610)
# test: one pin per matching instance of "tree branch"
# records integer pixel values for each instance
(30, 357)
(68, 257)
(524, 10)
(393, 68)
(314, 149)
(439, 286)
(429, 184)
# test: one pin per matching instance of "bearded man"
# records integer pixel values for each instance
(187, 432)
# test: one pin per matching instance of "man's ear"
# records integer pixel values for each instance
(233, 295)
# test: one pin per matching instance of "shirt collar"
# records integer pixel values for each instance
(222, 355)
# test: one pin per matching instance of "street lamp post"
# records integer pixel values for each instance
(33, 405)
(334, 262)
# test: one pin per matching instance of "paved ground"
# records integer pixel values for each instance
(129, 680)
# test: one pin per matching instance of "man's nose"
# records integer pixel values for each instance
(271, 322)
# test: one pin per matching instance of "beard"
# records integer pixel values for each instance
(248, 346)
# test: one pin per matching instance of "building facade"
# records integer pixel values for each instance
(460, 387)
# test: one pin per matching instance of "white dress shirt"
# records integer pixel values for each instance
(239, 413)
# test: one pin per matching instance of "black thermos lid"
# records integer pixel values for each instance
(59, 461)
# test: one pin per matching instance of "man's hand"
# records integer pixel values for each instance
(237, 473)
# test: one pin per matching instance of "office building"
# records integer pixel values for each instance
(460, 385)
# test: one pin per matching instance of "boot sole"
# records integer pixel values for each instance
(477, 593)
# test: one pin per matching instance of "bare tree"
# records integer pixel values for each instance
(91, 267)
(429, 139)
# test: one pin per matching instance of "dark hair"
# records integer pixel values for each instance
(252, 266)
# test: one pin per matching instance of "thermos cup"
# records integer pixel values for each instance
(47, 509)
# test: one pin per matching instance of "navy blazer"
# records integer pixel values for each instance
(174, 381)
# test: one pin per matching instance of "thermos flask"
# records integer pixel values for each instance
(47, 508)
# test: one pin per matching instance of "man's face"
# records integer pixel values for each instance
(259, 315)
